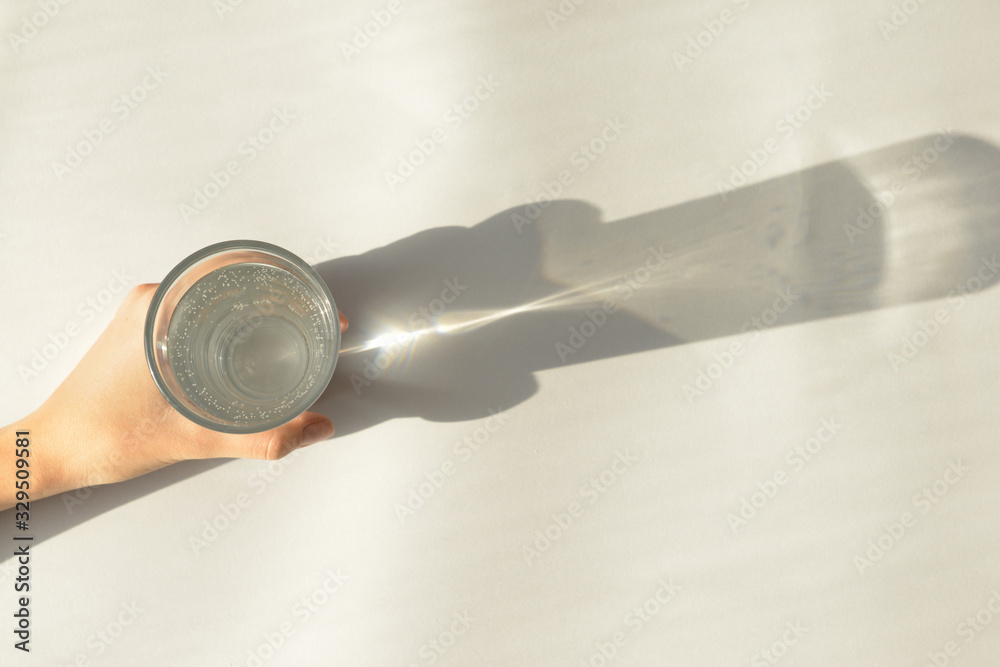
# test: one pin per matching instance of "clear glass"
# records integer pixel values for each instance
(242, 337)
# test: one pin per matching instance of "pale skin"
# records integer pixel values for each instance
(107, 422)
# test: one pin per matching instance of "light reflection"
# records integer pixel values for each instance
(463, 321)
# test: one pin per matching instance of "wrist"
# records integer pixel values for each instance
(15, 443)
(46, 474)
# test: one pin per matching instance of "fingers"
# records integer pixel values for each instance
(306, 429)
(343, 322)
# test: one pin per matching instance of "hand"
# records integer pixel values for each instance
(107, 422)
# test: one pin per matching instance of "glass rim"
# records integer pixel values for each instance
(171, 279)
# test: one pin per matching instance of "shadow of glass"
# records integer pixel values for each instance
(453, 322)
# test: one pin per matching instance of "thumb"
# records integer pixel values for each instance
(306, 429)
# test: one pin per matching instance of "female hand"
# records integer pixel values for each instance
(107, 422)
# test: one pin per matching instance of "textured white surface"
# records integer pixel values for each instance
(320, 190)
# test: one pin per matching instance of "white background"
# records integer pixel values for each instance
(320, 190)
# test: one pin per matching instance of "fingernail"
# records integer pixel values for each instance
(316, 432)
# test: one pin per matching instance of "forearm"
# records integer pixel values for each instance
(30, 464)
